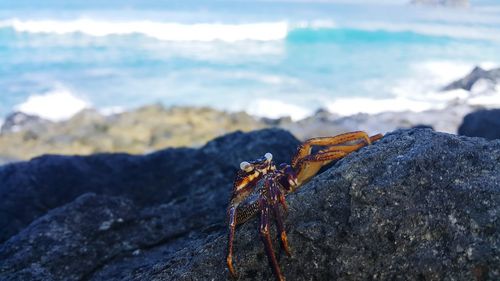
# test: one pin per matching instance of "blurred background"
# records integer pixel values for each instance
(79, 77)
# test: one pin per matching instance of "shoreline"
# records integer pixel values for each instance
(150, 128)
(154, 127)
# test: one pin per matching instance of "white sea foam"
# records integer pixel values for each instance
(442, 71)
(264, 78)
(422, 91)
(489, 65)
(275, 109)
(490, 98)
(261, 31)
(349, 106)
(427, 78)
(56, 105)
(111, 110)
(314, 24)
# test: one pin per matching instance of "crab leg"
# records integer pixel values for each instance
(277, 197)
(376, 137)
(305, 148)
(282, 201)
(350, 148)
(232, 227)
(309, 166)
(344, 148)
(281, 229)
(266, 238)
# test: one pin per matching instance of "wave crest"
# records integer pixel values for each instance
(262, 31)
(258, 31)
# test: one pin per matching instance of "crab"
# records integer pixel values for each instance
(260, 187)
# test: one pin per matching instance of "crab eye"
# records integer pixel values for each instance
(268, 156)
(245, 166)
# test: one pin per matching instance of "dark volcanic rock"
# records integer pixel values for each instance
(70, 241)
(76, 241)
(417, 205)
(482, 123)
(30, 189)
(477, 74)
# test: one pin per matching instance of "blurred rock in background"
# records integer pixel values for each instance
(448, 3)
(142, 130)
(478, 77)
(19, 121)
(482, 123)
(154, 127)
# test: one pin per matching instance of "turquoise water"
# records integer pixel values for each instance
(269, 58)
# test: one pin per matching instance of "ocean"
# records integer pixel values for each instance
(268, 58)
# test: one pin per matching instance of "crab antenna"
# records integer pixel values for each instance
(268, 156)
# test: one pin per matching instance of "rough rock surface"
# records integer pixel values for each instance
(481, 123)
(417, 205)
(472, 78)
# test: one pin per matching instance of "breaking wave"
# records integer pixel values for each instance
(317, 30)
(264, 31)
(56, 105)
